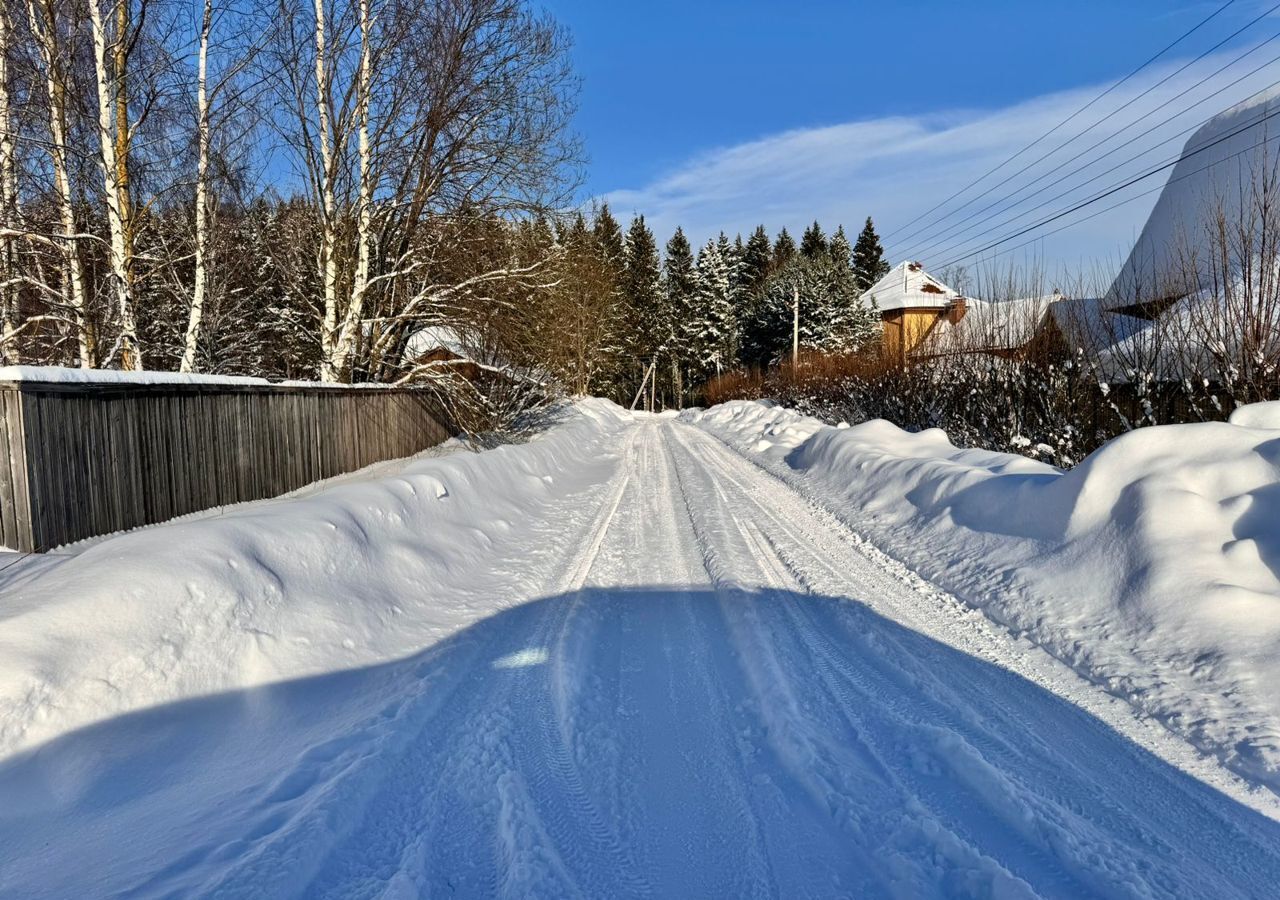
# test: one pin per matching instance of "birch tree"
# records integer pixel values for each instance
(201, 275)
(53, 60)
(410, 123)
(109, 58)
(8, 200)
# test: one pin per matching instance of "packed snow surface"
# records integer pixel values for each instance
(618, 660)
(1152, 568)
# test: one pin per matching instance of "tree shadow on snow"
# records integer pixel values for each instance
(625, 742)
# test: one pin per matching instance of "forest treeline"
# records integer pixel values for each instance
(629, 315)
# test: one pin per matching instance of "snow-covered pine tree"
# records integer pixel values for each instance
(756, 257)
(713, 328)
(757, 262)
(814, 242)
(649, 321)
(679, 282)
(840, 251)
(783, 249)
(608, 236)
(869, 264)
(831, 319)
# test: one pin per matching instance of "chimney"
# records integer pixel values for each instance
(956, 310)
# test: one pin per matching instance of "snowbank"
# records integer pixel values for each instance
(287, 588)
(1153, 568)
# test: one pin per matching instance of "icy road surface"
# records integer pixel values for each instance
(720, 693)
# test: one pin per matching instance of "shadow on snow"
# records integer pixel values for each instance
(625, 742)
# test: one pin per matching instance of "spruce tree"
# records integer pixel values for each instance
(813, 243)
(712, 330)
(869, 264)
(679, 281)
(648, 319)
(783, 249)
(839, 249)
(608, 235)
(831, 318)
(756, 257)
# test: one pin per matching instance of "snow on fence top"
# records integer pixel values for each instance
(67, 376)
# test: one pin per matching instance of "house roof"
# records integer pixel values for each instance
(1218, 173)
(989, 326)
(1087, 324)
(908, 286)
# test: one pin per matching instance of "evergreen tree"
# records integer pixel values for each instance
(756, 258)
(648, 319)
(813, 243)
(783, 249)
(869, 264)
(831, 318)
(608, 236)
(840, 252)
(679, 282)
(712, 330)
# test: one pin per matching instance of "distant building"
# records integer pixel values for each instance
(912, 303)
(925, 319)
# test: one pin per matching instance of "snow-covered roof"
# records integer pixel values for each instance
(908, 286)
(989, 326)
(435, 337)
(1198, 337)
(1086, 324)
(1217, 165)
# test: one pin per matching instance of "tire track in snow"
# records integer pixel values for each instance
(1060, 825)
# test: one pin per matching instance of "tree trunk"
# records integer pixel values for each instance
(328, 232)
(8, 204)
(130, 352)
(44, 26)
(349, 332)
(202, 196)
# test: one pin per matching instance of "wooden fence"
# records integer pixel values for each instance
(87, 459)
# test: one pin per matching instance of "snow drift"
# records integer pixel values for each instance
(1153, 568)
(286, 588)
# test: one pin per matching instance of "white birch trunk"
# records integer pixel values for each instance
(44, 27)
(8, 203)
(130, 352)
(328, 232)
(352, 320)
(202, 196)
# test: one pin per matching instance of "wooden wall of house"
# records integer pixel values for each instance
(88, 459)
(904, 329)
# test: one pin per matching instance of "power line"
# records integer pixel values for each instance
(1107, 209)
(953, 234)
(1065, 121)
(919, 232)
(1118, 188)
(1108, 116)
(1057, 197)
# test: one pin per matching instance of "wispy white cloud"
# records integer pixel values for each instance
(895, 168)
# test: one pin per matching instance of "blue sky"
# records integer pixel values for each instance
(716, 115)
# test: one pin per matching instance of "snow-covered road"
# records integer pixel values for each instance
(718, 690)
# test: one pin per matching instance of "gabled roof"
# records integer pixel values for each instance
(989, 326)
(908, 286)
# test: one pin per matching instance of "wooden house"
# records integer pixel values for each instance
(912, 305)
